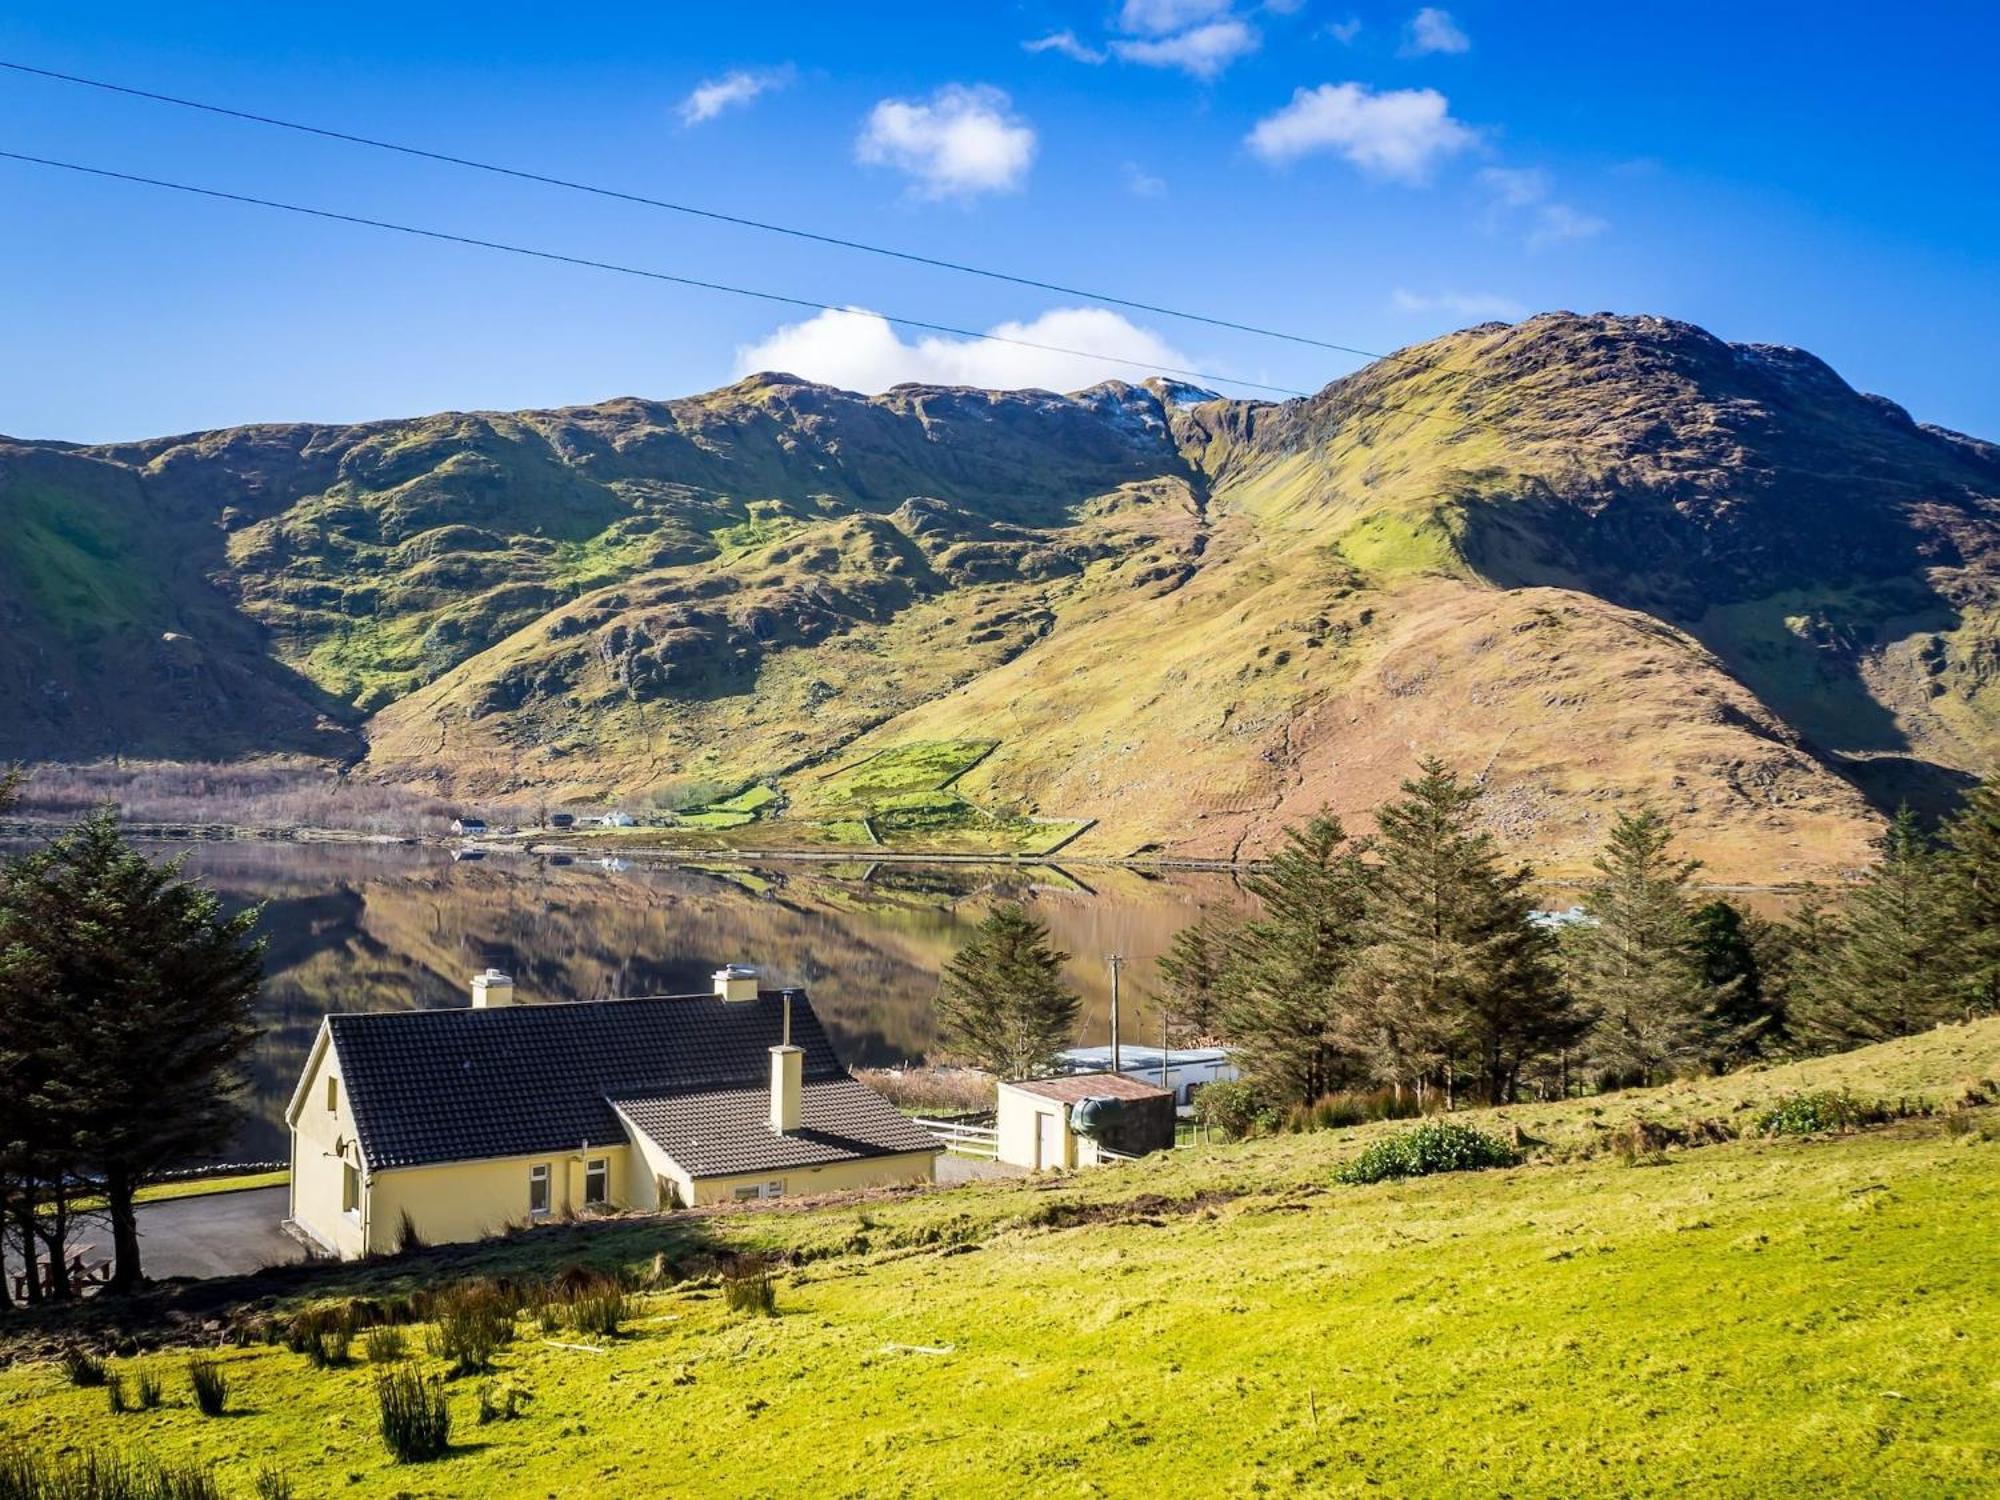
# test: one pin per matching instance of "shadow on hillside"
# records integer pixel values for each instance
(1795, 629)
(665, 1248)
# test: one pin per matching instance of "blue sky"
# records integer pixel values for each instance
(1362, 173)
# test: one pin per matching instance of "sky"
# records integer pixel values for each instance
(1363, 174)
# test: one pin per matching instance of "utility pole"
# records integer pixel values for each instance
(1117, 961)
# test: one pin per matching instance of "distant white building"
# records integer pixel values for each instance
(1574, 916)
(468, 825)
(1186, 1068)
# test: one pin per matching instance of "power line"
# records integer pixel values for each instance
(604, 265)
(716, 215)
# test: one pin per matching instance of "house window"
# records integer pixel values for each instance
(538, 1189)
(332, 1095)
(596, 1181)
(751, 1190)
(350, 1188)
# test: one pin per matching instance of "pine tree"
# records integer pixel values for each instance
(1192, 973)
(1972, 892)
(1002, 1004)
(1282, 990)
(1639, 969)
(1898, 965)
(134, 992)
(1749, 1015)
(1449, 969)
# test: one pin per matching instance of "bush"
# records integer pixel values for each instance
(600, 1311)
(1235, 1107)
(26, 1475)
(273, 1484)
(750, 1288)
(470, 1322)
(148, 1390)
(209, 1384)
(407, 1237)
(1815, 1113)
(1355, 1107)
(1433, 1147)
(384, 1345)
(416, 1417)
(114, 1395)
(81, 1367)
(500, 1403)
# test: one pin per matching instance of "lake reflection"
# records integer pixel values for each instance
(376, 928)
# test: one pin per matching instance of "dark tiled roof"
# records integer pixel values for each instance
(432, 1086)
(1074, 1086)
(717, 1132)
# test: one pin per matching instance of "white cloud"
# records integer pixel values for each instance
(731, 90)
(1344, 32)
(1158, 17)
(959, 142)
(1515, 187)
(1066, 43)
(1479, 305)
(1433, 30)
(1557, 222)
(1203, 51)
(1144, 184)
(861, 351)
(1400, 134)
(1525, 194)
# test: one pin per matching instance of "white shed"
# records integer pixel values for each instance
(1036, 1126)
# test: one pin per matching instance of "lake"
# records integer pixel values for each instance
(359, 927)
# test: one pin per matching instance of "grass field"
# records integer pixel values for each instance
(1756, 1317)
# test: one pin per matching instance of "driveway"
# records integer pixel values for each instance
(222, 1234)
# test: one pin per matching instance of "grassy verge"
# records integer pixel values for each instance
(202, 1187)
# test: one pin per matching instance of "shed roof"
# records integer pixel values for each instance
(1074, 1086)
(434, 1086)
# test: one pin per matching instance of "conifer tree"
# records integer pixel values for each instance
(1449, 969)
(1749, 1014)
(1898, 965)
(1192, 973)
(1282, 993)
(1639, 969)
(1972, 888)
(132, 991)
(1002, 1004)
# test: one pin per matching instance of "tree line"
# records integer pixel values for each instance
(126, 997)
(1408, 961)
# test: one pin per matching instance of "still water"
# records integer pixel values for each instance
(354, 927)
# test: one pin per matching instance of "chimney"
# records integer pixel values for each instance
(491, 990)
(736, 982)
(787, 1079)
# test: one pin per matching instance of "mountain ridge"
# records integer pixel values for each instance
(1598, 558)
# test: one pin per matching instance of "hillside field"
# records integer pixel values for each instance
(1751, 1317)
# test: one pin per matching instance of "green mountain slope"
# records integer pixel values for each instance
(1598, 557)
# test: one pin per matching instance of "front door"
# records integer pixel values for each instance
(1049, 1140)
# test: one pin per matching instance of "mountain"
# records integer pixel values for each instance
(1595, 558)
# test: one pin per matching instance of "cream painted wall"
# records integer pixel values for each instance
(316, 1167)
(465, 1200)
(1020, 1116)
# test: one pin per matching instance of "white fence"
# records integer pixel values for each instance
(966, 1140)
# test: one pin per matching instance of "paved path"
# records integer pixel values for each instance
(221, 1234)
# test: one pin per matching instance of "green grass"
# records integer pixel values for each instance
(1749, 1318)
(203, 1187)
